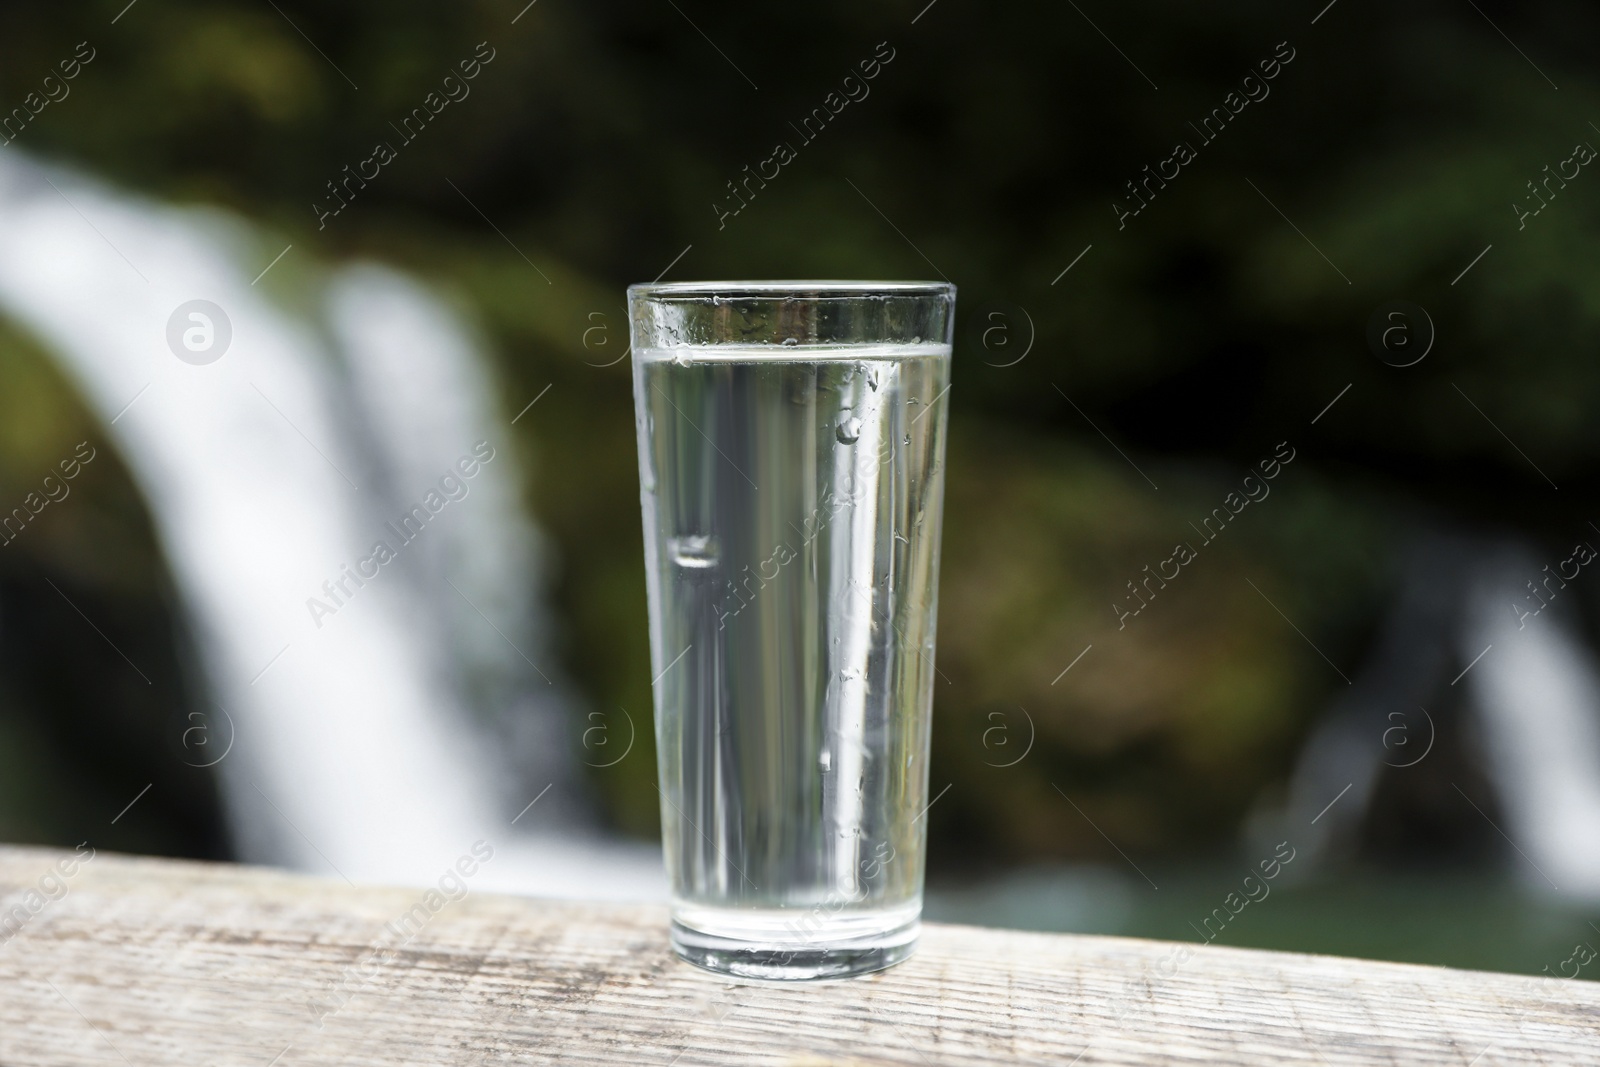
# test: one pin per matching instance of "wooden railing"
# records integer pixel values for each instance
(150, 962)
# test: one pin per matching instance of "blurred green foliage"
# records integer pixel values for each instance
(991, 151)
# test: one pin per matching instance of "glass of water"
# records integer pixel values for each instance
(791, 464)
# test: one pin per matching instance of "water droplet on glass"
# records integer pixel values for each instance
(849, 429)
(696, 551)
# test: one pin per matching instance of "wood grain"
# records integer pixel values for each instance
(150, 962)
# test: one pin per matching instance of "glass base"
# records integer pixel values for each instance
(773, 946)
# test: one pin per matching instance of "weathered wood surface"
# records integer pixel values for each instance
(150, 962)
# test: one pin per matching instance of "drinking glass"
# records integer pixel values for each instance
(791, 467)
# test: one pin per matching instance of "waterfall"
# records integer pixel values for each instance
(370, 731)
(1462, 631)
(1537, 694)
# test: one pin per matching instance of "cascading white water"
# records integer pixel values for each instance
(361, 732)
(1465, 622)
(1536, 692)
(420, 382)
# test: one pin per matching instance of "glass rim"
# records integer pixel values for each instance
(810, 289)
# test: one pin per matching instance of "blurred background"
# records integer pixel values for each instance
(1310, 290)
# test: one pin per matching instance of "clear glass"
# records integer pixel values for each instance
(791, 464)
